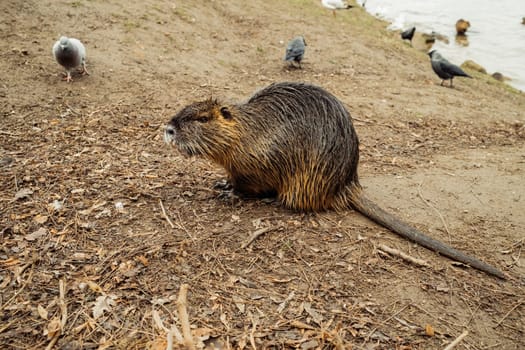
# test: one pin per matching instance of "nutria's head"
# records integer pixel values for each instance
(205, 128)
(462, 26)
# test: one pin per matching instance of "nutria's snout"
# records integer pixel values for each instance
(175, 136)
(169, 134)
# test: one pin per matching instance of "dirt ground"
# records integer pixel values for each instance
(101, 223)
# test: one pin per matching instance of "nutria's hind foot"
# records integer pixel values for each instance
(230, 197)
(230, 194)
(226, 191)
(271, 200)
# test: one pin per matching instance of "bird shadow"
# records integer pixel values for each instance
(293, 67)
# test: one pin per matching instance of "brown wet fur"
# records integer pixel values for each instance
(297, 141)
(462, 26)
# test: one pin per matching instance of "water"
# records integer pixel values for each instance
(496, 36)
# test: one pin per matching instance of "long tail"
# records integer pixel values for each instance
(385, 219)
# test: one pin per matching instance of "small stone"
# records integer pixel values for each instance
(471, 65)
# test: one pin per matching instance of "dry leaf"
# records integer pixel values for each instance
(85, 325)
(10, 262)
(158, 321)
(36, 235)
(40, 219)
(283, 304)
(143, 260)
(119, 206)
(311, 344)
(212, 343)
(443, 288)
(94, 287)
(158, 344)
(239, 303)
(5, 282)
(53, 328)
(86, 225)
(23, 193)
(128, 269)
(103, 303)
(203, 333)
(222, 317)
(80, 256)
(104, 344)
(95, 206)
(56, 205)
(247, 283)
(42, 311)
(429, 330)
(313, 313)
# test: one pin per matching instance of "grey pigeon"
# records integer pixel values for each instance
(295, 50)
(70, 53)
(444, 69)
(408, 34)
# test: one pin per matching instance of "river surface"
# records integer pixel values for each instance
(496, 37)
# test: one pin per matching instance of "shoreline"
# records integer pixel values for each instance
(443, 42)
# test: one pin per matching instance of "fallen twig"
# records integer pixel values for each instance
(252, 333)
(508, 313)
(435, 209)
(63, 311)
(183, 317)
(403, 256)
(333, 336)
(384, 322)
(456, 341)
(301, 325)
(165, 215)
(256, 234)
(182, 227)
(169, 341)
(170, 333)
(7, 325)
(21, 288)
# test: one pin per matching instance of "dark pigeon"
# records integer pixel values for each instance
(408, 34)
(444, 69)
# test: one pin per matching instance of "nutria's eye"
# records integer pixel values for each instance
(225, 112)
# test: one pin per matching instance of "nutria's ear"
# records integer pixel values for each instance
(225, 112)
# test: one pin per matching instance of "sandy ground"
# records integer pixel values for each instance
(101, 223)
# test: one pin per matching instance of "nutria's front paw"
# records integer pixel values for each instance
(223, 185)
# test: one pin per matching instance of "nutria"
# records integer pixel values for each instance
(295, 141)
(462, 26)
(498, 76)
